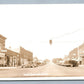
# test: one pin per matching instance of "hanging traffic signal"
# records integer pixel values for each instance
(50, 41)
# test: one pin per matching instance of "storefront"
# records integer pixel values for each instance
(2, 47)
(26, 57)
(81, 60)
(2, 59)
(12, 58)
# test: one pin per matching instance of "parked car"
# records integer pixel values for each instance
(70, 63)
(27, 66)
(67, 65)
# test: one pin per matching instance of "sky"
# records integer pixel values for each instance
(32, 26)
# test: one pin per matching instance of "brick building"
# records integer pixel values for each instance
(2, 42)
(11, 58)
(81, 53)
(25, 56)
(73, 54)
(2, 47)
(78, 54)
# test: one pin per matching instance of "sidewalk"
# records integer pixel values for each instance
(8, 68)
(81, 65)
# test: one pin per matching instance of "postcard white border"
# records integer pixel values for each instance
(44, 78)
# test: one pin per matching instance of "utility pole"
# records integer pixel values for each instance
(50, 42)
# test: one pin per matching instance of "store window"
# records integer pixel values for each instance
(0, 46)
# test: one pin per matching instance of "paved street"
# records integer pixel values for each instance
(50, 70)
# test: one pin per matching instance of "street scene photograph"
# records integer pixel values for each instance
(41, 41)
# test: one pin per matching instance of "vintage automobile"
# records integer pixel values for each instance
(70, 63)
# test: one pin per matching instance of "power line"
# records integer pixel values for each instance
(65, 34)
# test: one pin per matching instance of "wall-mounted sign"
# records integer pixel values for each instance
(2, 54)
(3, 50)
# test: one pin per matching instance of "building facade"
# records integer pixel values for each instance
(81, 53)
(73, 54)
(2, 47)
(2, 42)
(10, 58)
(77, 54)
(26, 57)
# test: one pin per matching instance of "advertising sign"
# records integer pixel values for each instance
(3, 50)
(2, 54)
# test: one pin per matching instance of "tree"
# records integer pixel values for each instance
(35, 59)
(46, 60)
(57, 60)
